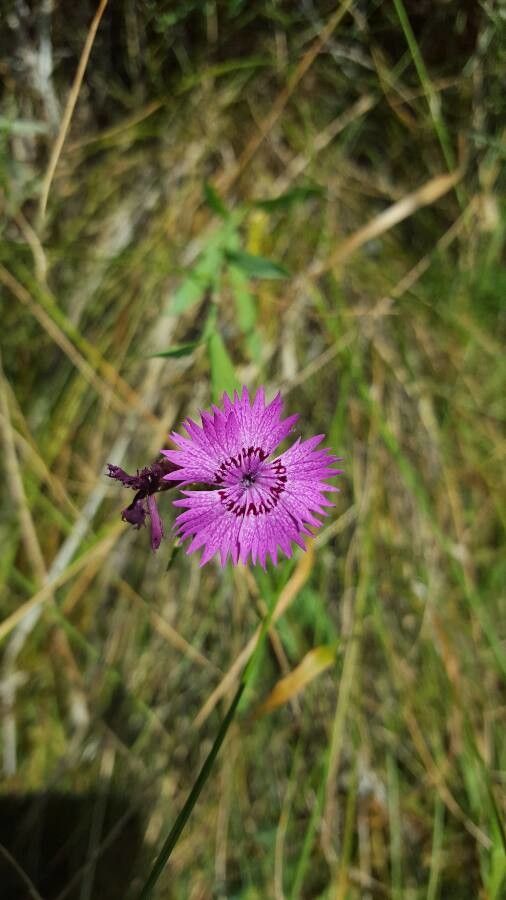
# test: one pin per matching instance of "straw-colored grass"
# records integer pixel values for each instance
(375, 771)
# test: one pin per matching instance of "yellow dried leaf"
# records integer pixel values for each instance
(314, 662)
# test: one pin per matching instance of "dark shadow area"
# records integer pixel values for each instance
(68, 846)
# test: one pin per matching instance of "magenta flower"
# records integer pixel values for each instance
(256, 503)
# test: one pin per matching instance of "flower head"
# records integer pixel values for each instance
(256, 503)
(147, 482)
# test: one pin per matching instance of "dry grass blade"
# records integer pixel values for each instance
(30, 453)
(438, 780)
(32, 239)
(85, 366)
(225, 182)
(314, 119)
(15, 483)
(40, 574)
(346, 686)
(415, 273)
(167, 631)
(286, 597)
(46, 592)
(431, 191)
(69, 109)
(116, 130)
(300, 162)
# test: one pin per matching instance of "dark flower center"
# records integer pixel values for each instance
(269, 481)
(247, 458)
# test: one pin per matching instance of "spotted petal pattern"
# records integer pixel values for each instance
(256, 503)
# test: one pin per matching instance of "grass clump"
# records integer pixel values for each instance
(352, 257)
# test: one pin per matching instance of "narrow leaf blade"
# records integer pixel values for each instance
(256, 266)
(223, 377)
(214, 200)
(177, 350)
(288, 199)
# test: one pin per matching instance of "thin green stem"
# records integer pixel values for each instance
(431, 95)
(186, 811)
(193, 796)
(436, 856)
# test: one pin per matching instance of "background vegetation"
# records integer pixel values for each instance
(306, 195)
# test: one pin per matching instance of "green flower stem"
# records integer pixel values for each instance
(193, 796)
(184, 815)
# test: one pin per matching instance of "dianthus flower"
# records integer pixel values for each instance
(256, 503)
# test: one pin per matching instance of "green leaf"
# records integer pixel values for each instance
(214, 200)
(255, 266)
(206, 271)
(246, 307)
(223, 377)
(290, 198)
(204, 275)
(187, 294)
(177, 351)
(244, 300)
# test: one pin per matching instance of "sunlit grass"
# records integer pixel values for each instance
(151, 288)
